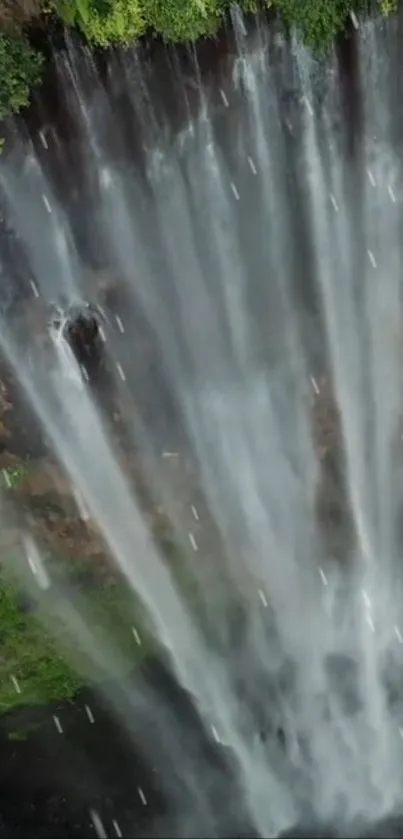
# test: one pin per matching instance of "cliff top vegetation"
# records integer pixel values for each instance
(104, 22)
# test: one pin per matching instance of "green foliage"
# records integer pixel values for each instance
(317, 21)
(387, 7)
(30, 654)
(20, 71)
(253, 6)
(110, 21)
(183, 20)
(121, 21)
(104, 22)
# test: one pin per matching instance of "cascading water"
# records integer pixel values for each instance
(260, 246)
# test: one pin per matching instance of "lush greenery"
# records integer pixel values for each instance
(29, 656)
(33, 668)
(104, 22)
(316, 20)
(183, 20)
(319, 21)
(20, 71)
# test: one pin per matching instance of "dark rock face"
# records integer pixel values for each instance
(81, 330)
(50, 784)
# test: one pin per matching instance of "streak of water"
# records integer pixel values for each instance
(45, 232)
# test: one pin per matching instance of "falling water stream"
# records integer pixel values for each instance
(258, 239)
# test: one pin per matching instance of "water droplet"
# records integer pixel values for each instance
(43, 139)
(193, 542)
(136, 636)
(142, 796)
(371, 177)
(235, 191)
(263, 598)
(392, 194)
(334, 202)
(89, 713)
(16, 685)
(215, 734)
(98, 825)
(34, 288)
(119, 324)
(57, 724)
(372, 259)
(315, 385)
(224, 98)
(252, 166)
(354, 20)
(323, 576)
(46, 203)
(120, 371)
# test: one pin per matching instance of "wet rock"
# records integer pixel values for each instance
(21, 436)
(79, 326)
(81, 330)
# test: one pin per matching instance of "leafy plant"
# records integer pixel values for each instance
(20, 71)
(104, 22)
(183, 20)
(387, 6)
(251, 5)
(317, 21)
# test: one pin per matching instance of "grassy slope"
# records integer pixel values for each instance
(29, 653)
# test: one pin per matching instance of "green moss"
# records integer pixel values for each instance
(30, 656)
(20, 71)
